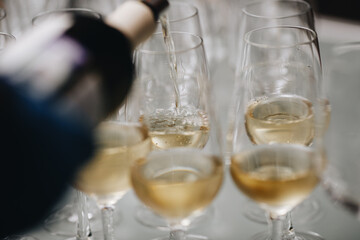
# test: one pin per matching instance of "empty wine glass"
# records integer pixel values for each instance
(181, 17)
(6, 39)
(104, 7)
(274, 124)
(341, 178)
(48, 15)
(3, 23)
(260, 14)
(184, 171)
(18, 15)
(214, 19)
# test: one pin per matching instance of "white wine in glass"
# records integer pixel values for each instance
(277, 175)
(169, 129)
(173, 78)
(176, 184)
(107, 176)
(186, 157)
(281, 119)
(275, 123)
(174, 118)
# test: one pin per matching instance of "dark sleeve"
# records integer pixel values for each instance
(40, 153)
(345, 9)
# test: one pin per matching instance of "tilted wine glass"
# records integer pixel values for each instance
(274, 122)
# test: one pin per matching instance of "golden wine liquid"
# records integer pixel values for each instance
(106, 177)
(170, 48)
(277, 176)
(282, 119)
(170, 130)
(176, 184)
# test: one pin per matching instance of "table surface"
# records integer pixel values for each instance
(229, 222)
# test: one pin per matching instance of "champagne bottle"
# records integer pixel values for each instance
(80, 65)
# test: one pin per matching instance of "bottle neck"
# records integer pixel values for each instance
(135, 20)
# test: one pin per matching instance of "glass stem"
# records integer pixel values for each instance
(177, 231)
(107, 213)
(83, 225)
(177, 234)
(276, 226)
(288, 228)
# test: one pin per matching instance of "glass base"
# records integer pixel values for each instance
(188, 237)
(298, 236)
(146, 217)
(95, 236)
(307, 211)
(20, 237)
(63, 223)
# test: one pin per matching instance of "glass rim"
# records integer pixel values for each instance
(162, 52)
(308, 30)
(9, 35)
(244, 9)
(192, 7)
(345, 47)
(65, 10)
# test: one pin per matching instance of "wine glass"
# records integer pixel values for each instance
(186, 156)
(275, 122)
(18, 14)
(173, 105)
(6, 39)
(341, 178)
(179, 17)
(266, 14)
(120, 141)
(214, 19)
(48, 15)
(104, 7)
(3, 22)
(260, 14)
(21, 12)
